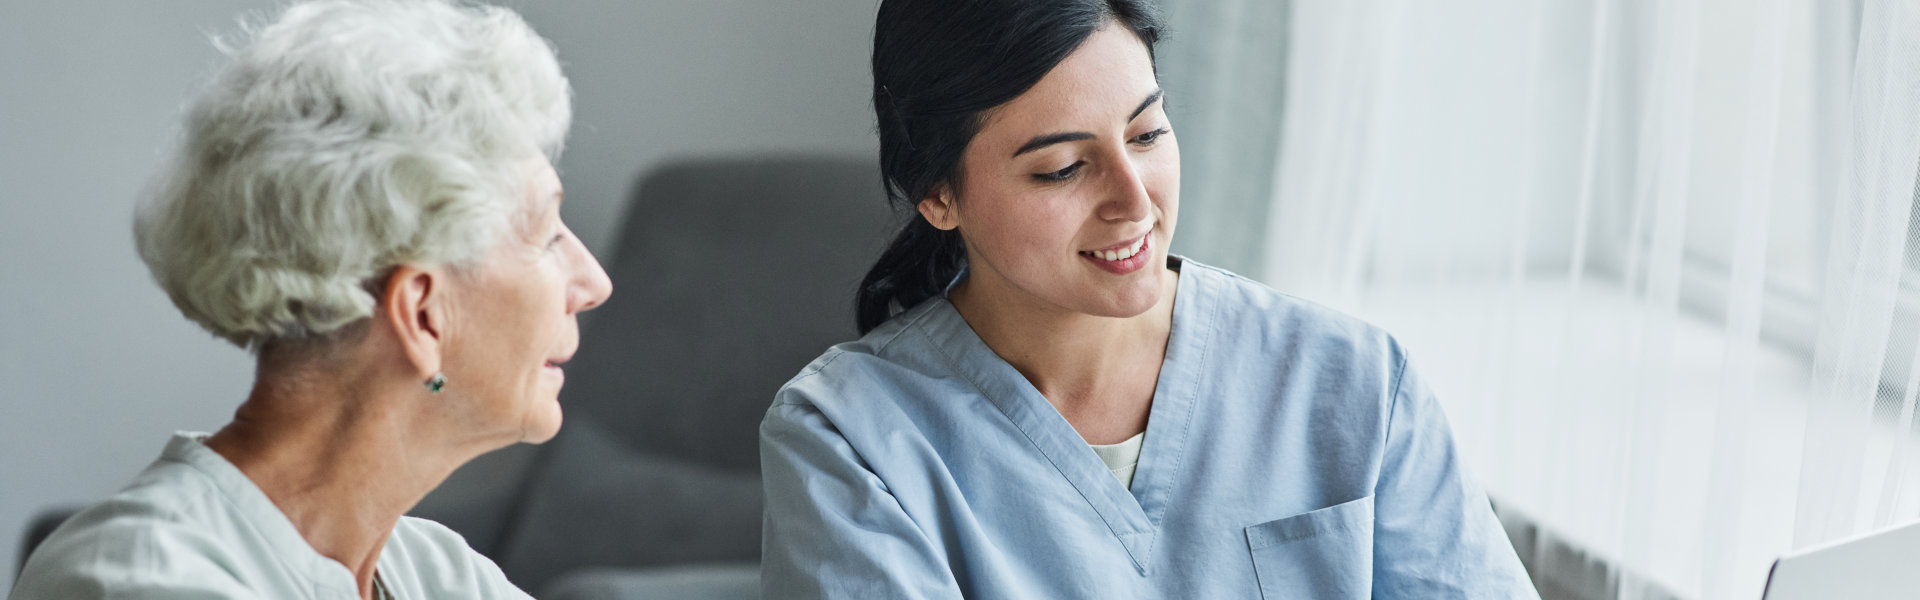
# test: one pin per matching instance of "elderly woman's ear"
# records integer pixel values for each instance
(414, 307)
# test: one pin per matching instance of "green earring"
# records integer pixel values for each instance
(437, 382)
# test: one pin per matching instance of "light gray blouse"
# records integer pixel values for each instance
(193, 526)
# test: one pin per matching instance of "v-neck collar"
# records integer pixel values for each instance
(1132, 515)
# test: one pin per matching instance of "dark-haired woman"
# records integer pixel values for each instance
(1046, 405)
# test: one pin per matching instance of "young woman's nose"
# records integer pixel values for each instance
(1126, 198)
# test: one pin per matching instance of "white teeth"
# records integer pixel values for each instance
(1121, 254)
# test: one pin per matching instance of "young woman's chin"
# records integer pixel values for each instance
(1131, 297)
(1127, 287)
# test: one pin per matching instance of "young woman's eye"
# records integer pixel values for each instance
(1060, 175)
(1148, 138)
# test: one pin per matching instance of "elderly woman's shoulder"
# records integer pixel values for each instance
(144, 542)
(186, 526)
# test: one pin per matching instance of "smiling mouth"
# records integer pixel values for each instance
(1117, 254)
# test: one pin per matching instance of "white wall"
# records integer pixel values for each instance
(96, 368)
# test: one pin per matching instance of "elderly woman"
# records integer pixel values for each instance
(365, 201)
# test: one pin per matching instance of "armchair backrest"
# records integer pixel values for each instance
(730, 276)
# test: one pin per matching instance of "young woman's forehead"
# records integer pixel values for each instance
(1099, 85)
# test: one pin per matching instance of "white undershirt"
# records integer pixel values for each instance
(1121, 458)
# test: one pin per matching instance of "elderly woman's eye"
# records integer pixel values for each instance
(556, 239)
(1060, 175)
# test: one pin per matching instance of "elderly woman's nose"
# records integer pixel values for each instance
(591, 284)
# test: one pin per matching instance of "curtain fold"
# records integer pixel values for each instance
(1864, 281)
(1745, 297)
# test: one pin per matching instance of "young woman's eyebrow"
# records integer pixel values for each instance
(1151, 98)
(1042, 141)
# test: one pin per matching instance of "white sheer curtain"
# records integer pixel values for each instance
(1654, 254)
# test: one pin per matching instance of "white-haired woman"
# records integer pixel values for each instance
(365, 201)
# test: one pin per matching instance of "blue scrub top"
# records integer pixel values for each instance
(1290, 452)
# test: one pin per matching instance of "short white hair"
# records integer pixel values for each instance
(343, 139)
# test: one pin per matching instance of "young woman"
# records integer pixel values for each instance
(1046, 405)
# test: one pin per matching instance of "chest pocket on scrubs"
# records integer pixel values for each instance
(1326, 553)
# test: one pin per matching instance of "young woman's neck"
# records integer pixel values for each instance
(1099, 372)
(341, 454)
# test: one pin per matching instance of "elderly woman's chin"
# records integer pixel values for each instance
(535, 417)
(543, 420)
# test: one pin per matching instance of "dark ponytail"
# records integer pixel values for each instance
(916, 266)
(937, 66)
